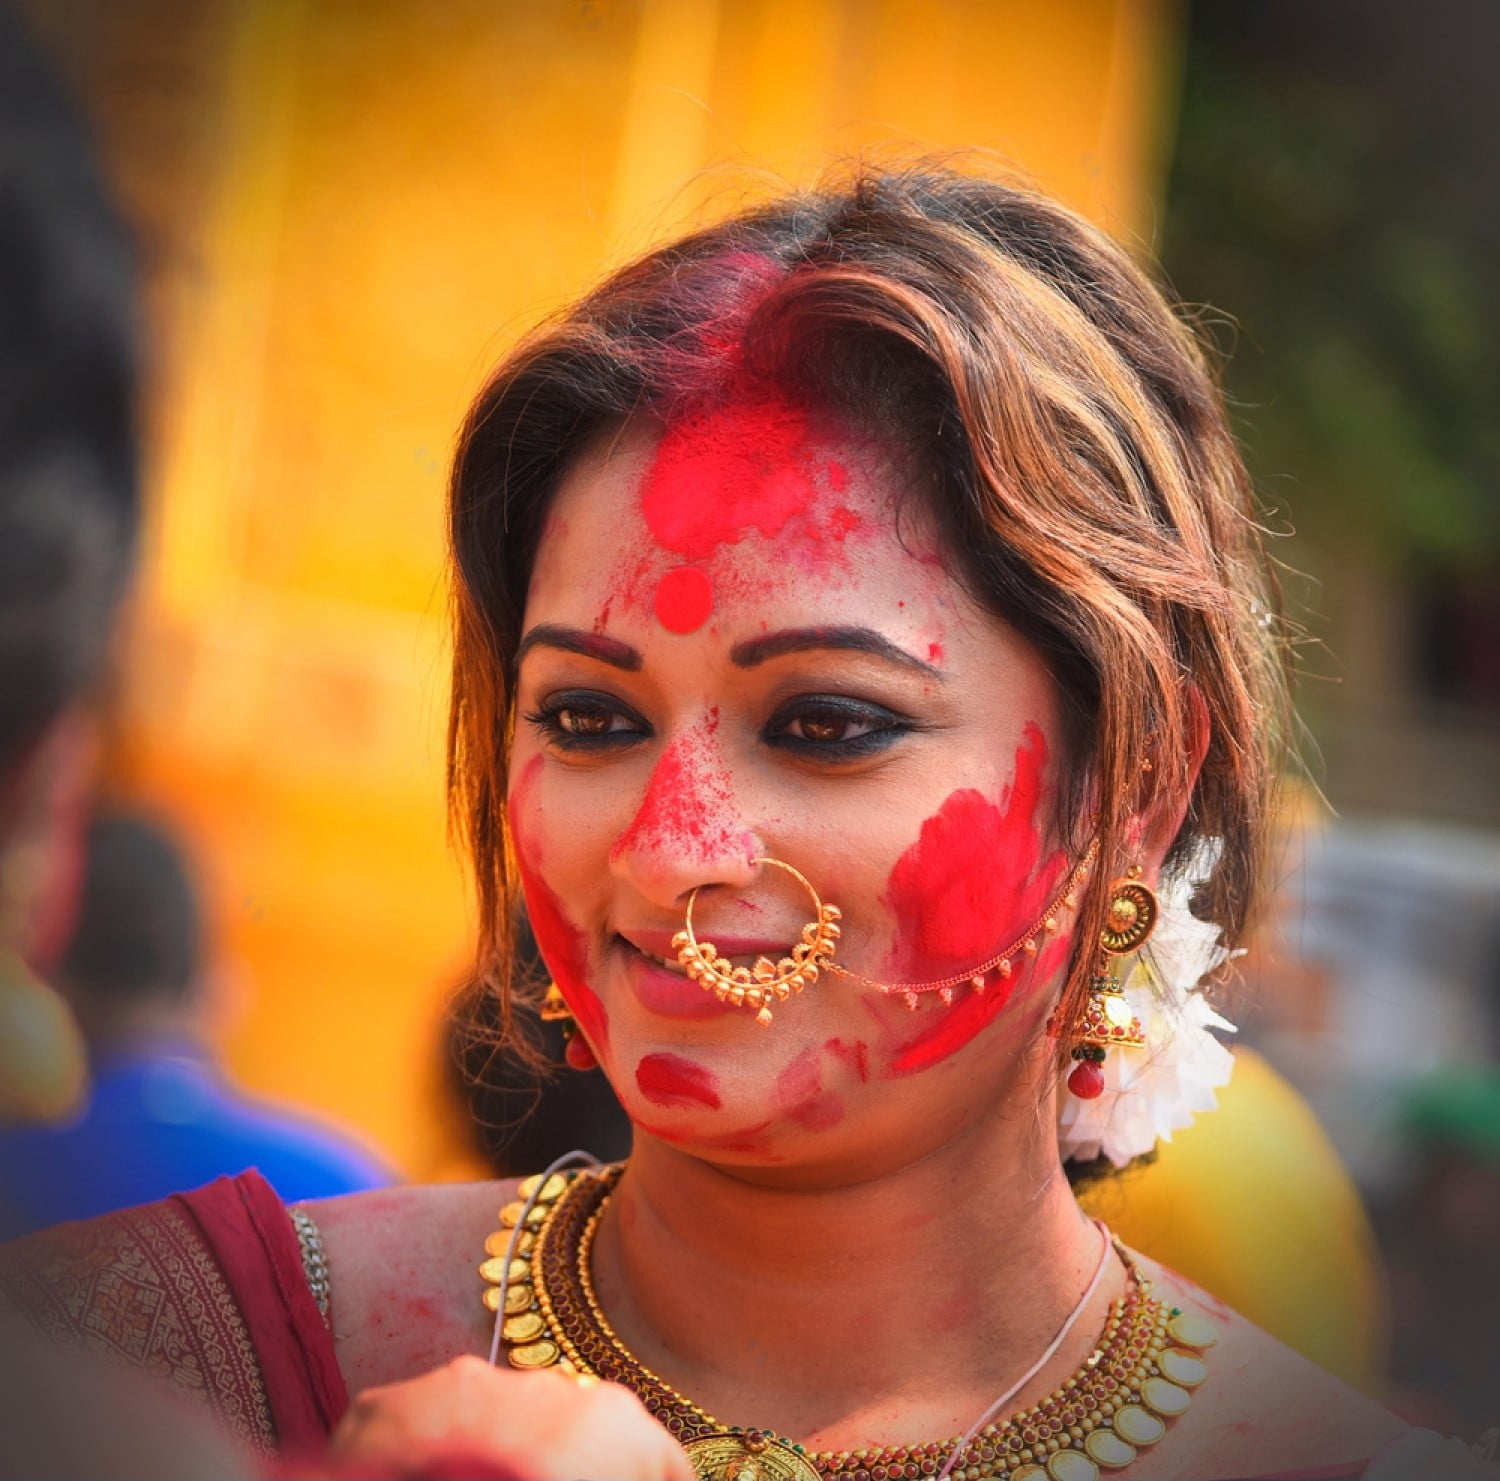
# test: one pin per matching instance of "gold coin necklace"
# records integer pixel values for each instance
(1138, 1378)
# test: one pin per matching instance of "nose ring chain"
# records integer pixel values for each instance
(766, 982)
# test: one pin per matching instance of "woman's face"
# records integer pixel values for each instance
(741, 639)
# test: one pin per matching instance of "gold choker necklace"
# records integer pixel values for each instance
(1139, 1376)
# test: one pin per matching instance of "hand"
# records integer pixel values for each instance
(468, 1418)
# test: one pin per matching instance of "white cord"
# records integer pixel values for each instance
(1037, 1366)
(568, 1159)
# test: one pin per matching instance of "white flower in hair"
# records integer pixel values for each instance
(1150, 1093)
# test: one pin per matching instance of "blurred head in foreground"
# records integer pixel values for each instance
(69, 507)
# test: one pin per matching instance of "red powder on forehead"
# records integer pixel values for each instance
(562, 945)
(743, 466)
(720, 474)
(684, 599)
(688, 810)
(671, 1080)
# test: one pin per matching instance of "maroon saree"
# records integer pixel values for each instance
(205, 1290)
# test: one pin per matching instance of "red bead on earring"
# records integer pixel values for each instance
(577, 1051)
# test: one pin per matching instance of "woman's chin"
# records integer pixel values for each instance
(714, 1137)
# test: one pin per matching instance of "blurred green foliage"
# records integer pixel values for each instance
(1365, 366)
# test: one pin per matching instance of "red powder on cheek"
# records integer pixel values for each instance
(968, 883)
(562, 945)
(856, 1056)
(684, 600)
(838, 477)
(972, 881)
(949, 1029)
(671, 1080)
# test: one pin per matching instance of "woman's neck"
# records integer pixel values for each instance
(881, 1311)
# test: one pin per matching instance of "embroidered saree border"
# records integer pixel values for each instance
(143, 1288)
(206, 1291)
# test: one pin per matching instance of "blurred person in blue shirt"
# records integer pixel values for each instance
(163, 1116)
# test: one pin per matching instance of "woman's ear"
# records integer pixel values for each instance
(1155, 828)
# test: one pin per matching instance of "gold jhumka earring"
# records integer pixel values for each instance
(1107, 1020)
(576, 1048)
(766, 982)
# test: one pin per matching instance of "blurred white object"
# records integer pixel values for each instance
(1394, 926)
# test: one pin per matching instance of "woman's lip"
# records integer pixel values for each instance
(667, 991)
(659, 944)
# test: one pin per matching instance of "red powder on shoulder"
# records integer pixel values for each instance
(684, 599)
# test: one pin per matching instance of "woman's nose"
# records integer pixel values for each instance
(688, 829)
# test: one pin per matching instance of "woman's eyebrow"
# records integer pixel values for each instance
(802, 639)
(575, 640)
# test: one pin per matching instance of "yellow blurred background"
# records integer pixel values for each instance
(349, 210)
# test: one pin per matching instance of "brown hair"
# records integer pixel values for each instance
(1076, 457)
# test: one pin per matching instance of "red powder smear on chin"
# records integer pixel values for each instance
(855, 1055)
(801, 1097)
(562, 945)
(671, 1080)
(973, 880)
(684, 600)
(751, 1139)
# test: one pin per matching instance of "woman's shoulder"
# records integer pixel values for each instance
(405, 1293)
(202, 1289)
(1264, 1410)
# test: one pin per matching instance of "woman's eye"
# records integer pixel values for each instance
(582, 722)
(836, 728)
(586, 722)
(825, 729)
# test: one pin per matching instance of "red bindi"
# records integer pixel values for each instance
(684, 599)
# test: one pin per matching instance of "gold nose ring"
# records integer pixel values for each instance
(758, 986)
